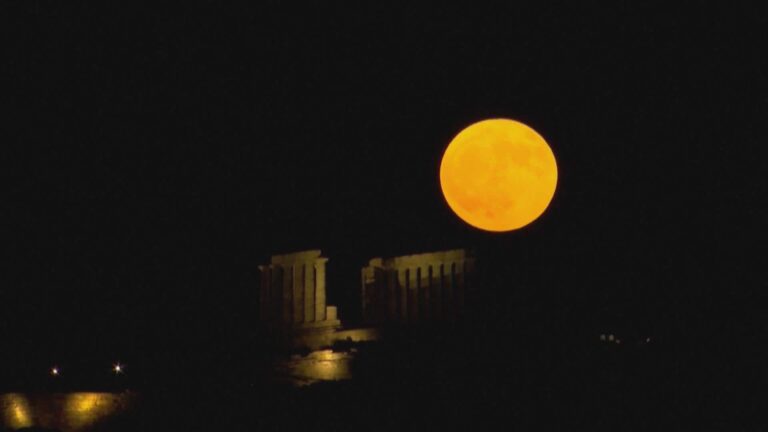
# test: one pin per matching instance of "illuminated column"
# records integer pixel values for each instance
(442, 283)
(263, 293)
(392, 278)
(287, 292)
(320, 289)
(413, 295)
(460, 286)
(436, 286)
(423, 286)
(276, 293)
(297, 289)
(402, 290)
(429, 287)
(377, 296)
(448, 291)
(364, 312)
(469, 284)
(429, 293)
(309, 293)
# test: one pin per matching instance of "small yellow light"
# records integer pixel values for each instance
(55, 371)
(117, 368)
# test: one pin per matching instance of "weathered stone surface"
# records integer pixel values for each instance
(292, 292)
(420, 288)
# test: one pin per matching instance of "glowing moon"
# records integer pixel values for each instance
(498, 175)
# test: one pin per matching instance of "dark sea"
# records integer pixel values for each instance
(417, 384)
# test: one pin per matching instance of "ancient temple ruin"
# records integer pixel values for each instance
(422, 288)
(292, 293)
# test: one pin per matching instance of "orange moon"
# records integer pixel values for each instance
(498, 175)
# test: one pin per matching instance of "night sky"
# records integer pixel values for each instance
(156, 156)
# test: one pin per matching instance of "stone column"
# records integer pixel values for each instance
(320, 289)
(402, 289)
(423, 298)
(460, 287)
(298, 293)
(309, 293)
(363, 296)
(392, 309)
(275, 294)
(436, 286)
(263, 293)
(449, 283)
(287, 292)
(429, 310)
(413, 295)
(378, 297)
(469, 283)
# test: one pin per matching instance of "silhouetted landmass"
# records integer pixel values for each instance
(521, 357)
(468, 377)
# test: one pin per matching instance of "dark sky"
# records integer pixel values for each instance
(157, 156)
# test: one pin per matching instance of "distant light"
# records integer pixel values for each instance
(602, 337)
(55, 371)
(618, 341)
(647, 340)
(610, 337)
(117, 368)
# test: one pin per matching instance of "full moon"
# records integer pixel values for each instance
(498, 175)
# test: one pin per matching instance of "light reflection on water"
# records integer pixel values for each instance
(15, 411)
(81, 411)
(323, 365)
(62, 411)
